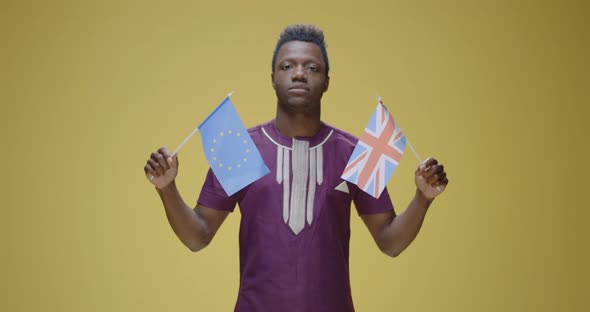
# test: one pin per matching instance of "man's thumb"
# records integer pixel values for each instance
(173, 161)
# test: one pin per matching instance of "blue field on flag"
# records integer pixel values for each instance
(233, 157)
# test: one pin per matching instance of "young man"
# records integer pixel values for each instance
(295, 226)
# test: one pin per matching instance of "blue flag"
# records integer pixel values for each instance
(233, 157)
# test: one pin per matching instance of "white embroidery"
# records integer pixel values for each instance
(286, 187)
(311, 187)
(275, 142)
(279, 164)
(320, 162)
(342, 187)
(308, 170)
(300, 165)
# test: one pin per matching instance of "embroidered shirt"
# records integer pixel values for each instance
(295, 226)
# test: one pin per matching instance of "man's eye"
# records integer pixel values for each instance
(286, 66)
(313, 68)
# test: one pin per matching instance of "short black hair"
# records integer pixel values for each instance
(301, 32)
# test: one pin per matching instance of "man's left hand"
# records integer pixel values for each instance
(431, 178)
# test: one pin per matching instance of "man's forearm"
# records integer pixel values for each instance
(190, 228)
(404, 228)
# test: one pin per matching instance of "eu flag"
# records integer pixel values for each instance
(233, 157)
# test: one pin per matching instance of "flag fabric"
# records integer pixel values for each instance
(233, 157)
(376, 154)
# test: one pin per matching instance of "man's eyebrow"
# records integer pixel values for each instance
(310, 59)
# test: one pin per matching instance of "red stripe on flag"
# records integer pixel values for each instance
(380, 146)
(353, 164)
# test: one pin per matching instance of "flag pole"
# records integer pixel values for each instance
(416, 154)
(407, 140)
(413, 150)
(409, 144)
(192, 133)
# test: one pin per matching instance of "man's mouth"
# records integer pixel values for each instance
(298, 89)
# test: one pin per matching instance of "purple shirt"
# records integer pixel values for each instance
(295, 226)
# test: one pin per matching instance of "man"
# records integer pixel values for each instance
(295, 226)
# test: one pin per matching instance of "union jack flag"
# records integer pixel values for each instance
(376, 154)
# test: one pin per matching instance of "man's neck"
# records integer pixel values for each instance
(298, 124)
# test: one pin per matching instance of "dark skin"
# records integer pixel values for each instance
(299, 80)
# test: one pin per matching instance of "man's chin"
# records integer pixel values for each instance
(299, 104)
(298, 101)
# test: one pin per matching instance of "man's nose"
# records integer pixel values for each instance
(299, 74)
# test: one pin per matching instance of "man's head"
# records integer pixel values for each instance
(300, 69)
(300, 32)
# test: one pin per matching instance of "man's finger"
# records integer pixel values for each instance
(429, 162)
(435, 178)
(437, 170)
(426, 164)
(156, 166)
(148, 169)
(428, 172)
(161, 160)
(442, 182)
(150, 172)
(174, 161)
(164, 151)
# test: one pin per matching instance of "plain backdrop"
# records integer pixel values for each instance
(496, 90)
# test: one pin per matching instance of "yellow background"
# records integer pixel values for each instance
(496, 90)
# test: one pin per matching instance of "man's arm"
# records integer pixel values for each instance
(194, 227)
(393, 234)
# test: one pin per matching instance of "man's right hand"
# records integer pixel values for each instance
(161, 168)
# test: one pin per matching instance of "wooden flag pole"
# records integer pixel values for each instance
(409, 144)
(186, 140)
(413, 150)
(192, 133)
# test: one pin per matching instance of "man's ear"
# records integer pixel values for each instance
(272, 80)
(327, 84)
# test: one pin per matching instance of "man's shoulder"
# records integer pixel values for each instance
(341, 136)
(257, 130)
(259, 126)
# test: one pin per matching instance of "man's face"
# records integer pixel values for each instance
(299, 77)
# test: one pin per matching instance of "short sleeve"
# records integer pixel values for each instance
(367, 204)
(213, 196)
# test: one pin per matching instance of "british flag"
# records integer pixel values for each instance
(376, 154)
